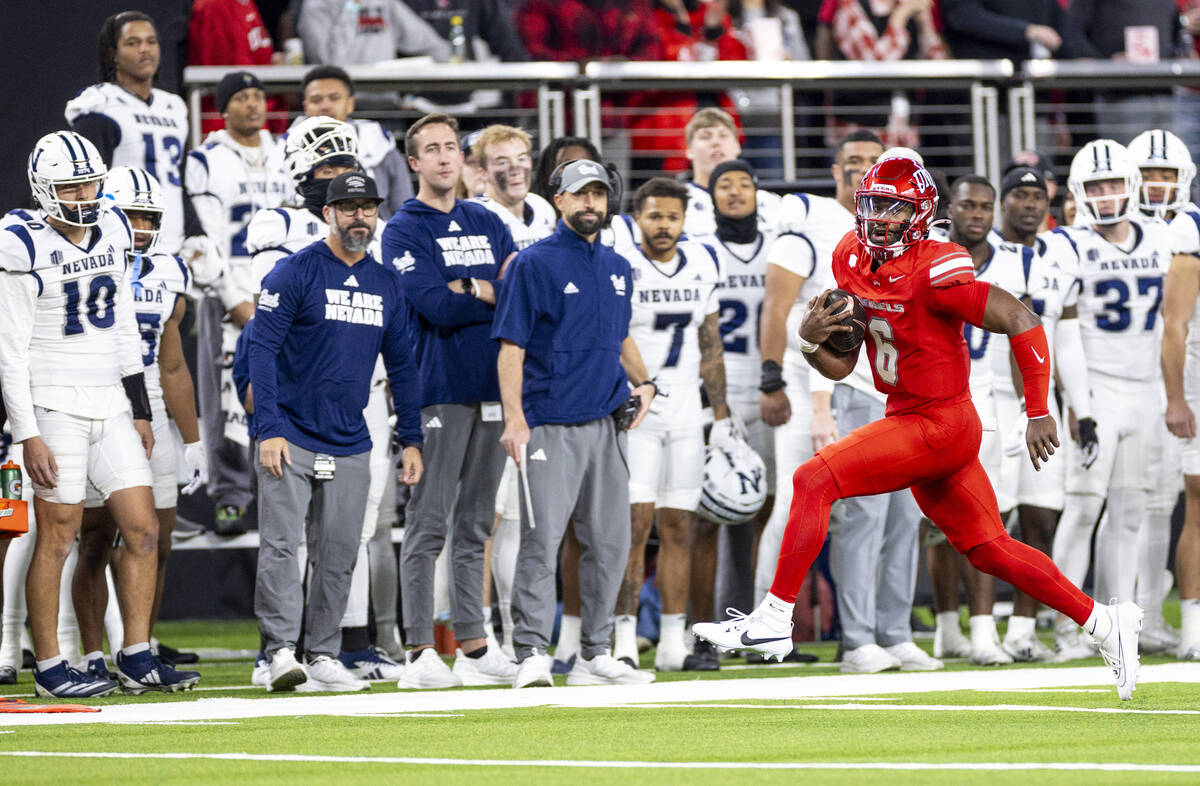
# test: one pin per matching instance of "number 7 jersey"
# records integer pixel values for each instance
(916, 305)
(1120, 294)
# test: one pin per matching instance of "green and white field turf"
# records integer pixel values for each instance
(776, 724)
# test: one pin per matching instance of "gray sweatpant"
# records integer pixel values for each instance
(576, 473)
(873, 548)
(229, 465)
(333, 510)
(463, 463)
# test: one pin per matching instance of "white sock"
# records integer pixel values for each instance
(775, 611)
(90, 656)
(568, 637)
(670, 635)
(1189, 612)
(49, 663)
(1019, 627)
(948, 623)
(983, 631)
(1098, 625)
(625, 637)
(134, 649)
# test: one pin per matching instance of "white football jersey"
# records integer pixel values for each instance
(282, 231)
(161, 280)
(701, 217)
(1185, 239)
(68, 333)
(810, 227)
(538, 222)
(740, 298)
(152, 136)
(670, 301)
(1120, 293)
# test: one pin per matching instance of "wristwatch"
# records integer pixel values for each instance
(468, 285)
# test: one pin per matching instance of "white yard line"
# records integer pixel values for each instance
(923, 707)
(681, 691)
(621, 765)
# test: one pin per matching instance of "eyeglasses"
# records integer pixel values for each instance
(350, 208)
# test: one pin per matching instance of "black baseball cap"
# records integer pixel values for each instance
(1020, 177)
(1033, 160)
(352, 185)
(233, 83)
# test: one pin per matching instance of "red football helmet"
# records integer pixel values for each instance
(894, 204)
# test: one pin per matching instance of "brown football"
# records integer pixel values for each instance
(855, 317)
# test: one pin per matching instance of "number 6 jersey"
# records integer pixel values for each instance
(68, 332)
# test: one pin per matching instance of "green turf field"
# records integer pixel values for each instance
(793, 722)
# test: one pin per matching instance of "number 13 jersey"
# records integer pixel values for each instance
(916, 305)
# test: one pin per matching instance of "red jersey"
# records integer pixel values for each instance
(916, 304)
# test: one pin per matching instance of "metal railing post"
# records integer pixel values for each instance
(551, 114)
(194, 116)
(985, 131)
(586, 99)
(787, 130)
(1021, 131)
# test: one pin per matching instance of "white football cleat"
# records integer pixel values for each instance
(604, 669)
(990, 655)
(868, 659)
(1027, 649)
(1158, 637)
(1071, 644)
(748, 633)
(490, 669)
(913, 658)
(1120, 647)
(950, 643)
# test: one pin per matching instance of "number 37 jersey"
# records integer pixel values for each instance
(1120, 294)
(916, 305)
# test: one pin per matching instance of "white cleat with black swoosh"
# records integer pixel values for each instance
(748, 633)
(1120, 647)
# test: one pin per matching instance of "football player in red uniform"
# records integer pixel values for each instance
(917, 294)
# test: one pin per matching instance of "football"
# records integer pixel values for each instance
(855, 317)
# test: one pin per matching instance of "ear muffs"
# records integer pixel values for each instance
(616, 187)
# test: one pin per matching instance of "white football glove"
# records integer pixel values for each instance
(195, 458)
(203, 258)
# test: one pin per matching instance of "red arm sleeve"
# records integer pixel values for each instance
(965, 300)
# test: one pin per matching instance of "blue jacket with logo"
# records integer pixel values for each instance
(429, 249)
(319, 326)
(567, 302)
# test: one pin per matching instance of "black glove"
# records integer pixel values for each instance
(1089, 443)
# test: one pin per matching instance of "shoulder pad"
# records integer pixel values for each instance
(17, 251)
(267, 229)
(90, 100)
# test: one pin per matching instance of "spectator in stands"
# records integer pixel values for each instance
(487, 22)
(328, 91)
(1012, 29)
(345, 33)
(1135, 31)
(231, 32)
(580, 30)
(872, 32)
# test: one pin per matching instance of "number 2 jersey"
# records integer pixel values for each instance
(1120, 293)
(161, 280)
(916, 305)
(68, 332)
(145, 134)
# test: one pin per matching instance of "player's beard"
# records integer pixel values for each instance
(355, 242)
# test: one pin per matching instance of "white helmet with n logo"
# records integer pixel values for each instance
(1103, 160)
(735, 484)
(64, 158)
(137, 191)
(1160, 149)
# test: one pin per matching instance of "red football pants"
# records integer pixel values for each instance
(936, 454)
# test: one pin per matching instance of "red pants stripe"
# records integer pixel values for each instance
(936, 454)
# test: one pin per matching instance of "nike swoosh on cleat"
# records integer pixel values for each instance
(749, 642)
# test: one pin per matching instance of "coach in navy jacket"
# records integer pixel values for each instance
(450, 257)
(324, 315)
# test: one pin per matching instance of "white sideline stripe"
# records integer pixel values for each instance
(922, 707)
(764, 689)
(622, 765)
(413, 715)
(176, 723)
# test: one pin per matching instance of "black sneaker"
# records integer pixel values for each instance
(8, 675)
(231, 520)
(704, 657)
(174, 657)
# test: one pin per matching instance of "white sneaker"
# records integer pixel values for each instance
(604, 669)
(668, 658)
(913, 658)
(328, 674)
(1158, 637)
(534, 672)
(428, 671)
(261, 675)
(990, 655)
(285, 672)
(1071, 644)
(748, 633)
(868, 659)
(1027, 649)
(371, 665)
(1189, 653)
(490, 669)
(1120, 648)
(950, 643)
